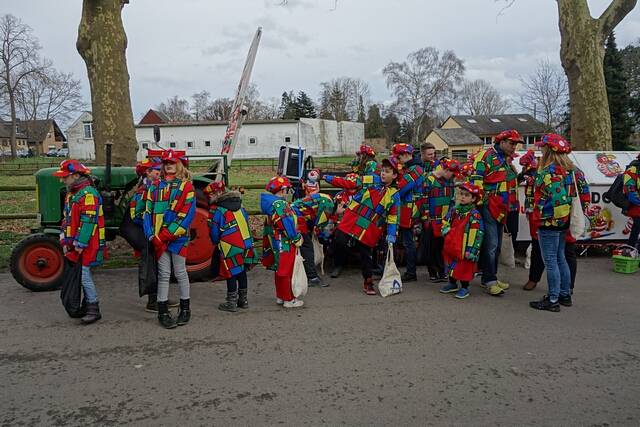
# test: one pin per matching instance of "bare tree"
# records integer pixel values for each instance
(545, 93)
(219, 109)
(341, 98)
(20, 59)
(423, 84)
(479, 97)
(176, 108)
(50, 94)
(200, 104)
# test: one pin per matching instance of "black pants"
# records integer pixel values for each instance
(635, 231)
(239, 281)
(345, 244)
(435, 246)
(537, 264)
(306, 250)
(513, 225)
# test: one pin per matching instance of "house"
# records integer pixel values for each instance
(5, 139)
(484, 128)
(154, 117)
(257, 138)
(41, 135)
(80, 138)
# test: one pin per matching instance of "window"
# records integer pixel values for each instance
(88, 130)
(172, 145)
(522, 119)
(145, 145)
(494, 120)
(287, 139)
(207, 143)
(472, 120)
(460, 155)
(487, 140)
(253, 140)
(190, 144)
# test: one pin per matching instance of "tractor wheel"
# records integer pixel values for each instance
(200, 248)
(37, 263)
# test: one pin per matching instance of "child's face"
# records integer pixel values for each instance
(464, 197)
(405, 158)
(70, 179)
(170, 168)
(153, 174)
(387, 175)
(448, 174)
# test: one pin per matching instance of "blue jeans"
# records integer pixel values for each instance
(89, 288)
(552, 246)
(490, 250)
(409, 249)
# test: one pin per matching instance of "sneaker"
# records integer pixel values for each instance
(449, 288)
(316, 282)
(494, 290)
(279, 301)
(462, 293)
(433, 278)
(566, 301)
(368, 288)
(441, 278)
(294, 303)
(409, 277)
(545, 304)
(504, 286)
(529, 286)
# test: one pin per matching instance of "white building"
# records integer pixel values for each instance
(80, 138)
(258, 139)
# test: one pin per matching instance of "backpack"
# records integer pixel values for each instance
(615, 193)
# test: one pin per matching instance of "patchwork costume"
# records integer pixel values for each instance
(631, 190)
(313, 215)
(463, 232)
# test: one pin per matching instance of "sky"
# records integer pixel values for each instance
(183, 47)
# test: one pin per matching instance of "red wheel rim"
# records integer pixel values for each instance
(200, 246)
(41, 263)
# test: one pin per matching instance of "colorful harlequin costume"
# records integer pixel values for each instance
(438, 196)
(409, 183)
(631, 189)
(137, 202)
(463, 231)
(313, 212)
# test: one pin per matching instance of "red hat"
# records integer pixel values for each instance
(277, 183)
(214, 187)
(143, 166)
(175, 156)
(528, 159)
(71, 166)
(466, 169)
(511, 135)
(450, 164)
(473, 189)
(391, 162)
(402, 148)
(555, 143)
(366, 149)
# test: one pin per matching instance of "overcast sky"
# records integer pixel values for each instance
(182, 47)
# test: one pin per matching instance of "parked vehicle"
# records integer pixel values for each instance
(53, 152)
(63, 152)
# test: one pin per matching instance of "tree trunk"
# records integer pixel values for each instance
(582, 55)
(12, 134)
(102, 43)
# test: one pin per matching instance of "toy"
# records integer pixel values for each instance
(312, 184)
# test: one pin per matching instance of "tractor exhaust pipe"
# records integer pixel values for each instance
(108, 202)
(107, 169)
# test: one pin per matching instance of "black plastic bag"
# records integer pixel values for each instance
(71, 292)
(132, 233)
(214, 267)
(147, 271)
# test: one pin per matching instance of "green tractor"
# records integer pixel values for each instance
(37, 261)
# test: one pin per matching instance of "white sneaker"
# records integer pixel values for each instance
(294, 303)
(279, 301)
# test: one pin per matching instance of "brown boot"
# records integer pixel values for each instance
(93, 314)
(367, 288)
(529, 286)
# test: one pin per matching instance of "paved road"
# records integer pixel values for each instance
(418, 358)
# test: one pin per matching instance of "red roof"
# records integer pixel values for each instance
(153, 117)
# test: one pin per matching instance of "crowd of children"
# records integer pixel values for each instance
(457, 214)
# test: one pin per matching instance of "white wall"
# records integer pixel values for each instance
(80, 147)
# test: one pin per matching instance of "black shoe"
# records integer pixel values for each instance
(441, 278)
(184, 315)
(433, 278)
(232, 303)
(152, 306)
(164, 316)
(92, 315)
(242, 299)
(566, 301)
(335, 272)
(545, 304)
(408, 277)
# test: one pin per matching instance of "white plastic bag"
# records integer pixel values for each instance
(577, 223)
(299, 283)
(318, 254)
(391, 281)
(507, 256)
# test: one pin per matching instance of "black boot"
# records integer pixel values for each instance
(242, 299)
(184, 315)
(231, 304)
(93, 314)
(164, 316)
(152, 303)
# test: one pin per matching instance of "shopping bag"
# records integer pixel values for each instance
(132, 233)
(391, 281)
(507, 256)
(299, 283)
(577, 223)
(147, 271)
(318, 253)
(71, 292)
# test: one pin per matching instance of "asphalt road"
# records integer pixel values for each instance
(419, 358)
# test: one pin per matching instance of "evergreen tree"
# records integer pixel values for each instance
(391, 127)
(631, 61)
(618, 95)
(374, 126)
(304, 106)
(288, 106)
(361, 116)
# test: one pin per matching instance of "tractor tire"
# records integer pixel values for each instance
(37, 263)
(200, 248)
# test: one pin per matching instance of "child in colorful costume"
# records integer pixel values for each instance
(229, 230)
(169, 209)
(409, 183)
(363, 221)
(365, 165)
(83, 237)
(631, 190)
(280, 239)
(437, 197)
(463, 230)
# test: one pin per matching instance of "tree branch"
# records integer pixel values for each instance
(615, 13)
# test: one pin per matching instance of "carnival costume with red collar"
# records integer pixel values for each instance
(437, 199)
(463, 231)
(313, 212)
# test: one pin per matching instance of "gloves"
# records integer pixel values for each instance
(159, 247)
